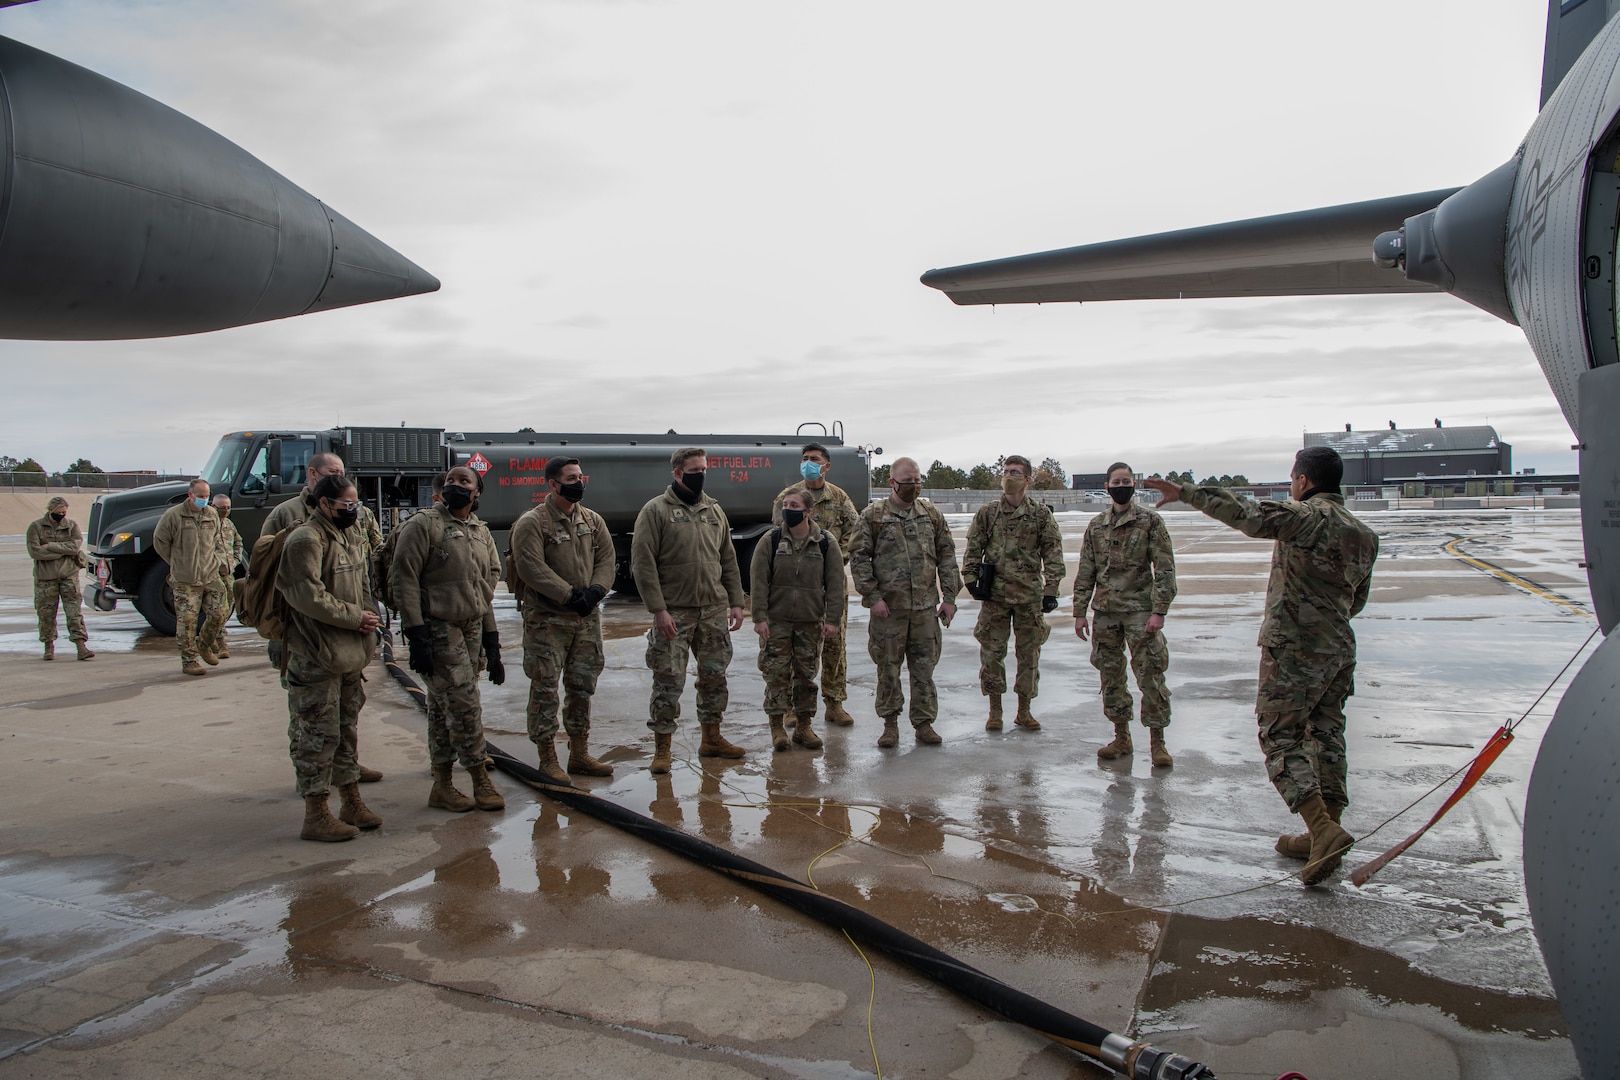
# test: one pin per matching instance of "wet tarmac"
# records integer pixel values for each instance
(159, 912)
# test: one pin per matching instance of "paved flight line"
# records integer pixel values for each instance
(1514, 579)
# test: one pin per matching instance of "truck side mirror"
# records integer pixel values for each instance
(273, 484)
(272, 449)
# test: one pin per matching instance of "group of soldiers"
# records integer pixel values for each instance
(441, 574)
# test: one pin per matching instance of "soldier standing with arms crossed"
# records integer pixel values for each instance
(798, 579)
(686, 570)
(443, 582)
(835, 514)
(1013, 566)
(563, 558)
(330, 641)
(1127, 575)
(187, 537)
(1321, 575)
(56, 547)
(903, 563)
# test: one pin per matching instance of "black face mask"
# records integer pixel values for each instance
(574, 492)
(344, 518)
(792, 518)
(1122, 495)
(693, 482)
(58, 518)
(456, 498)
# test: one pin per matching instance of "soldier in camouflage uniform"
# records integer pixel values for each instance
(1321, 574)
(903, 563)
(686, 569)
(798, 580)
(187, 537)
(1013, 566)
(235, 566)
(443, 584)
(56, 547)
(835, 514)
(562, 555)
(1126, 575)
(331, 635)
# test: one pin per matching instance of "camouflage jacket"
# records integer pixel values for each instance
(682, 556)
(444, 569)
(794, 581)
(296, 510)
(230, 541)
(554, 553)
(323, 578)
(1321, 566)
(1024, 544)
(1126, 564)
(832, 510)
(188, 540)
(57, 550)
(904, 557)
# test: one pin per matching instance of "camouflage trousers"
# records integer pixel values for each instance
(702, 633)
(229, 586)
(46, 596)
(455, 711)
(323, 711)
(1300, 708)
(1111, 635)
(190, 601)
(1000, 624)
(788, 660)
(911, 638)
(568, 647)
(834, 661)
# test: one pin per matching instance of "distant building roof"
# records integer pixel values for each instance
(1407, 440)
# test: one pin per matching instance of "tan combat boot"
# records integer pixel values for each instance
(549, 765)
(805, 735)
(208, 657)
(354, 811)
(444, 795)
(891, 733)
(580, 761)
(926, 735)
(1026, 719)
(660, 760)
(1298, 845)
(50, 651)
(319, 824)
(993, 723)
(367, 776)
(714, 744)
(1121, 744)
(836, 714)
(1161, 753)
(779, 735)
(223, 652)
(84, 650)
(485, 797)
(1329, 842)
(191, 667)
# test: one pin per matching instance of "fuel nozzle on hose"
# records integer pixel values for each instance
(1143, 1061)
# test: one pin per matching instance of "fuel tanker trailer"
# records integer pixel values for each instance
(393, 469)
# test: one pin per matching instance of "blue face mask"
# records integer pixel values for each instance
(199, 503)
(810, 470)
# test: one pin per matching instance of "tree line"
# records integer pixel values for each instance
(26, 472)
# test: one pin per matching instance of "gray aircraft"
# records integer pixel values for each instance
(122, 218)
(1534, 243)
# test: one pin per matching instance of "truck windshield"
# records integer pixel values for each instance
(227, 462)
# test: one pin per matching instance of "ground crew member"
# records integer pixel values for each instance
(686, 569)
(1126, 575)
(1321, 572)
(187, 537)
(798, 580)
(330, 640)
(443, 580)
(903, 563)
(835, 514)
(235, 566)
(562, 554)
(56, 546)
(1013, 566)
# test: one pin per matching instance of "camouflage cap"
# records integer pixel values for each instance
(56, 501)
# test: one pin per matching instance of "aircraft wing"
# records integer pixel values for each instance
(1320, 252)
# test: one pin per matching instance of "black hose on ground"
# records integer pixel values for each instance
(1136, 1060)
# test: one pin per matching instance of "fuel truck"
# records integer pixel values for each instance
(393, 470)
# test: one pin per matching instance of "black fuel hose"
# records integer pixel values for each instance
(1135, 1060)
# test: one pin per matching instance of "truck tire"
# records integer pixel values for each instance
(155, 599)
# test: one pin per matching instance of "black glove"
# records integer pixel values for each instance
(492, 657)
(421, 643)
(577, 603)
(1048, 605)
(239, 572)
(594, 596)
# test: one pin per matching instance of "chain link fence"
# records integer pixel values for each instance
(27, 480)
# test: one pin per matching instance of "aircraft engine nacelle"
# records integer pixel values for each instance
(122, 218)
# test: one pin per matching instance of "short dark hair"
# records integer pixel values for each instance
(556, 465)
(1017, 459)
(1321, 465)
(677, 460)
(818, 448)
(1116, 466)
(330, 486)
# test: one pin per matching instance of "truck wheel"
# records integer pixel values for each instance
(155, 599)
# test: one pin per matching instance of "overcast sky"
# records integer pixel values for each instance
(711, 217)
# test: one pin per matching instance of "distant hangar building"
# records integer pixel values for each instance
(1376, 457)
